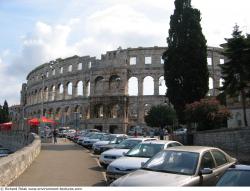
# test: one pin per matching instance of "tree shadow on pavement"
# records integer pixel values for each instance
(102, 183)
(97, 168)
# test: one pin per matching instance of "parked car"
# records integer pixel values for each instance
(139, 131)
(133, 159)
(180, 131)
(236, 175)
(180, 166)
(89, 141)
(106, 140)
(109, 156)
(84, 136)
(4, 152)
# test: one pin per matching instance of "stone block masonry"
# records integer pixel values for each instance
(15, 164)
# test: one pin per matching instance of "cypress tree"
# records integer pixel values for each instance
(235, 71)
(1, 115)
(6, 112)
(185, 60)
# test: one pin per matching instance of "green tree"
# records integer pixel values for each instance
(207, 113)
(235, 71)
(185, 60)
(160, 116)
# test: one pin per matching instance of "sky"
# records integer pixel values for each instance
(36, 31)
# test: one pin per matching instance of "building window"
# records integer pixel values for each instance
(89, 64)
(61, 70)
(211, 83)
(148, 60)
(79, 66)
(132, 61)
(47, 74)
(209, 61)
(222, 61)
(53, 72)
(70, 68)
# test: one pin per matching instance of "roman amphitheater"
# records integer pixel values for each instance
(112, 93)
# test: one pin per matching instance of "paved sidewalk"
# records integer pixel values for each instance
(62, 164)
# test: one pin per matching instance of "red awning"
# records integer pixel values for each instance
(37, 121)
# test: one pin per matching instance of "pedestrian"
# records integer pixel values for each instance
(135, 133)
(161, 134)
(54, 136)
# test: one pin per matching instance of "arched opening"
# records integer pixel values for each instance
(162, 86)
(79, 88)
(46, 94)
(88, 89)
(211, 83)
(69, 88)
(115, 111)
(114, 82)
(133, 86)
(99, 111)
(79, 67)
(70, 68)
(99, 83)
(53, 93)
(148, 86)
(146, 109)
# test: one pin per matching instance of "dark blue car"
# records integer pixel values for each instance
(237, 175)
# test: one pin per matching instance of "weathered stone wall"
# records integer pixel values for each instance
(15, 164)
(15, 140)
(235, 141)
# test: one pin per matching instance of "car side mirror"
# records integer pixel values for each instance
(142, 164)
(206, 171)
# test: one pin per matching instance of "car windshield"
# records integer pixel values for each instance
(145, 150)
(127, 144)
(176, 162)
(107, 138)
(235, 178)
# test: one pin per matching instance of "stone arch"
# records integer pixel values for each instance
(115, 111)
(58, 113)
(79, 88)
(53, 92)
(148, 85)
(211, 83)
(98, 111)
(133, 86)
(99, 83)
(50, 113)
(60, 91)
(46, 94)
(133, 110)
(79, 66)
(70, 68)
(114, 82)
(69, 88)
(162, 86)
(88, 88)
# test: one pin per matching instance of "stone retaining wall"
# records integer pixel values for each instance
(15, 164)
(235, 141)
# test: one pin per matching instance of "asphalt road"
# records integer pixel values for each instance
(63, 164)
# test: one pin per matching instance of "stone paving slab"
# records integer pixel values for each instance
(62, 164)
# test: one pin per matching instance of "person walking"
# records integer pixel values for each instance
(54, 136)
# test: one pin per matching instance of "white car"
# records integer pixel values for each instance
(135, 157)
(89, 141)
(109, 139)
(83, 137)
(110, 155)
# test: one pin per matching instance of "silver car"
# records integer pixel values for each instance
(110, 155)
(133, 159)
(180, 166)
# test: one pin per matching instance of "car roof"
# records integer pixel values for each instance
(159, 142)
(240, 167)
(196, 149)
(118, 135)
